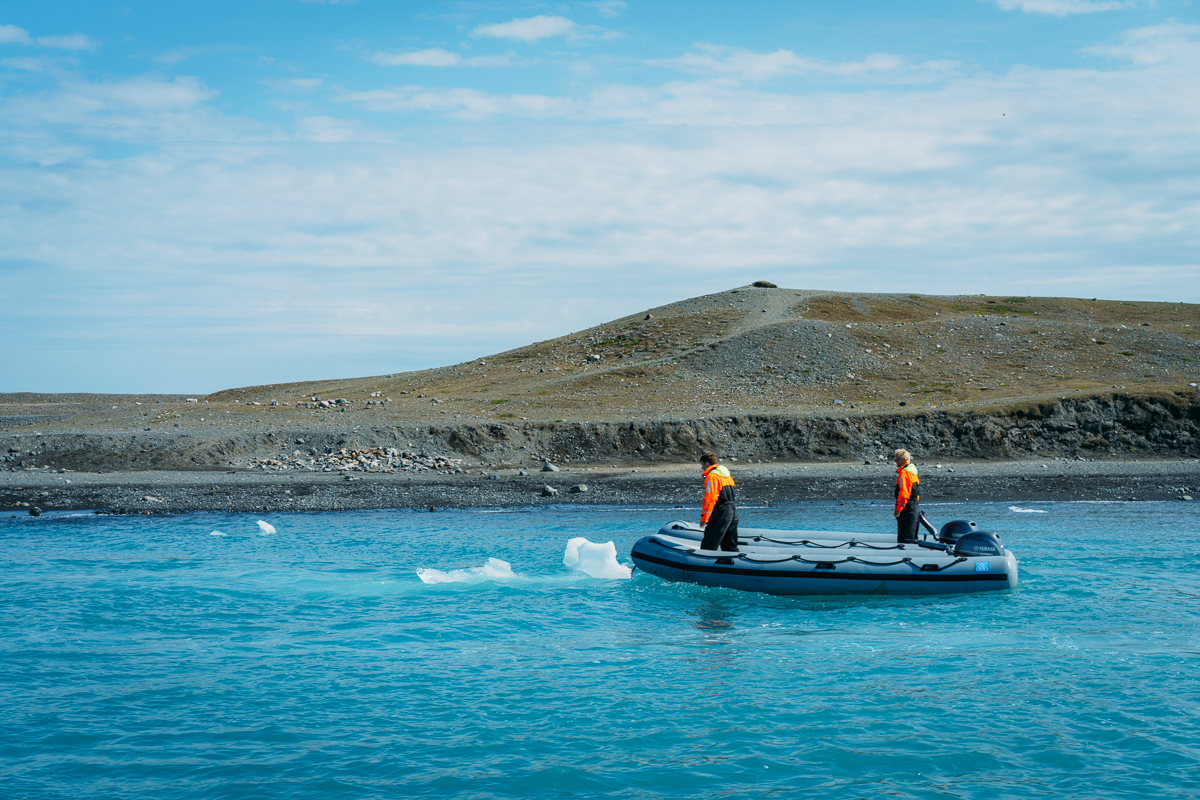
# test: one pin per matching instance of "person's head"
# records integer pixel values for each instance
(707, 460)
(903, 457)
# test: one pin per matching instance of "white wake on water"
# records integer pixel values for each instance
(595, 560)
(1026, 510)
(266, 527)
(493, 570)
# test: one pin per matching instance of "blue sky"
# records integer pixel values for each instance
(204, 195)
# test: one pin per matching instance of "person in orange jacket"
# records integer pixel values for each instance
(908, 495)
(718, 511)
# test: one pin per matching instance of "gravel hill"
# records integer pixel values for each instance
(765, 374)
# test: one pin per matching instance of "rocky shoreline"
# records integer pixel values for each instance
(1111, 447)
(1105, 427)
(167, 492)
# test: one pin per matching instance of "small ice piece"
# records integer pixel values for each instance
(493, 570)
(596, 560)
(266, 527)
(217, 533)
(1026, 510)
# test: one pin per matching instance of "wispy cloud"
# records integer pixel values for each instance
(740, 64)
(609, 8)
(178, 55)
(324, 128)
(469, 105)
(144, 109)
(72, 41)
(1063, 8)
(437, 57)
(11, 34)
(1157, 44)
(529, 29)
(294, 85)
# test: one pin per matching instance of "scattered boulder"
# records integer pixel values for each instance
(548, 467)
(578, 489)
(35, 512)
(549, 491)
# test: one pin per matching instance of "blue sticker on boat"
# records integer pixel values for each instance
(982, 566)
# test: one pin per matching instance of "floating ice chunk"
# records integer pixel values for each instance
(596, 560)
(217, 533)
(266, 527)
(1026, 510)
(493, 570)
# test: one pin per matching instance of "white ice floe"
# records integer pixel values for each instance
(493, 570)
(217, 533)
(1026, 510)
(266, 527)
(596, 560)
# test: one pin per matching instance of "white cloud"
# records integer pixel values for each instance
(24, 64)
(609, 8)
(434, 57)
(1157, 44)
(1063, 8)
(294, 86)
(529, 29)
(178, 55)
(11, 34)
(437, 57)
(73, 41)
(468, 105)
(740, 64)
(143, 109)
(323, 128)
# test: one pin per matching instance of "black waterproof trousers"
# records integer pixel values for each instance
(908, 522)
(721, 528)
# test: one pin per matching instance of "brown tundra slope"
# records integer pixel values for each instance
(761, 372)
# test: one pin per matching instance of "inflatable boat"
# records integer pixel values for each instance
(960, 558)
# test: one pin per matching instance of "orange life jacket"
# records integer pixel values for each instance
(908, 485)
(716, 480)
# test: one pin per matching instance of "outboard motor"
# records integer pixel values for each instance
(978, 543)
(952, 530)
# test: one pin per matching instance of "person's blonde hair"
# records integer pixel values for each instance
(907, 456)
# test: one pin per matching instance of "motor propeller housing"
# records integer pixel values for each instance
(951, 531)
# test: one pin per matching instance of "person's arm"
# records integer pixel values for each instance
(904, 482)
(712, 490)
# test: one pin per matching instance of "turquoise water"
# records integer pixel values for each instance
(145, 657)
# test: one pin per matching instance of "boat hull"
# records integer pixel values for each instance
(792, 563)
